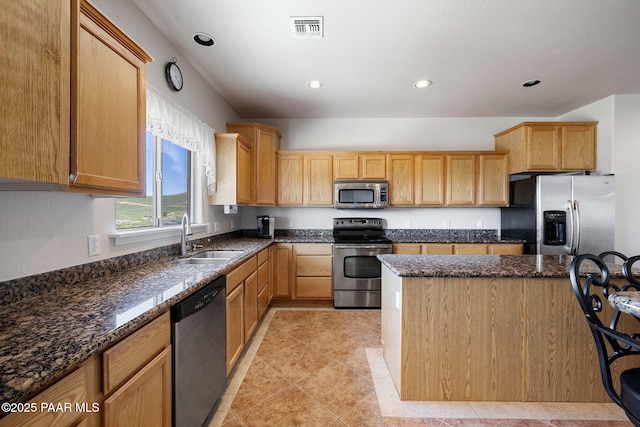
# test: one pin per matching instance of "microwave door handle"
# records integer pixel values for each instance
(569, 246)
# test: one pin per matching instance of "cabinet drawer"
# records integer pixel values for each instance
(238, 275)
(314, 265)
(124, 359)
(471, 249)
(263, 256)
(406, 248)
(72, 389)
(506, 249)
(438, 249)
(314, 287)
(263, 276)
(314, 249)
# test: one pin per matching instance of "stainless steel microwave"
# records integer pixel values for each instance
(360, 194)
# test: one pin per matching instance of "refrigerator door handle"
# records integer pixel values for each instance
(576, 230)
(570, 244)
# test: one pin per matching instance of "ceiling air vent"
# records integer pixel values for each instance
(305, 27)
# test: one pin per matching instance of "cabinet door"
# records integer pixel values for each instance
(578, 147)
(318, 179)
(235, 326)
(144, 400)
(34, 70)
(265, 152)
(290, 179)
(109, 109)
(250, 305)
(346, 166)
(430, 178)
(461, 178)
(543, 147)
(244, 174)
(373, 166)
(400, 179)
(282, 270)
(493, 180)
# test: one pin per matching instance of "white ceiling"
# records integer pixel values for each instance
(476, 52)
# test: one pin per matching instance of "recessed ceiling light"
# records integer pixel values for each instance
(203, 39)
(530, 83)
(420, 84)
(314, 84)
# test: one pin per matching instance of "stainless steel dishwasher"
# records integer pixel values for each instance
(199, 354)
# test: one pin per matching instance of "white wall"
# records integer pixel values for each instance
(42, 231)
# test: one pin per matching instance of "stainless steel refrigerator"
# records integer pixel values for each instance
(561, 214)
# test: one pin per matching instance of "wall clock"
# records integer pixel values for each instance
(174, 75)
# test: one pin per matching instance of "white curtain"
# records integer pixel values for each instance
(169, 121)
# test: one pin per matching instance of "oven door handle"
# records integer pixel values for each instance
(361, 246)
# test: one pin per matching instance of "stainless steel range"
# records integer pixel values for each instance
(357, 271)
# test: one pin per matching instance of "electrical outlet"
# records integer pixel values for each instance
(291, 223)
(447, 223)
(479, 224)
(94, 244)
(407, 223)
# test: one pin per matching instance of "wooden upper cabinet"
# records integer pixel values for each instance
(318, 180)
(549, 146)
(360, 165)
(290, 179)
(233, 170)
(430, 179)
(493, 180)
(461, 179)
(578, 147)
(346, 166)
(108, 104)
(265, 142)
(34, 148)
(401, 179)
(373, 166)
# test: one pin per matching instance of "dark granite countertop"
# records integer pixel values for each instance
(45, 335)
(478, 265)
(51, 322)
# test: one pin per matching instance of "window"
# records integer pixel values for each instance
(168, 168)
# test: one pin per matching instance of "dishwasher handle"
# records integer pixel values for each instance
(199, 300)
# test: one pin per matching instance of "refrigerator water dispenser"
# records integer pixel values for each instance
(555, 228)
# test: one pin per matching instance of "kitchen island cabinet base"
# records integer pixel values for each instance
(487, 339)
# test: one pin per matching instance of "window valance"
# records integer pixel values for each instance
(169, 121)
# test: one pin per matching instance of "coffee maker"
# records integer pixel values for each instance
(266, 226)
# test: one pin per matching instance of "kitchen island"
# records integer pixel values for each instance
(486, 328)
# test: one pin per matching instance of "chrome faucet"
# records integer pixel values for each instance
(185, 230)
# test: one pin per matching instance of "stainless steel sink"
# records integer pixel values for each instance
(217, 254)
(194, 260)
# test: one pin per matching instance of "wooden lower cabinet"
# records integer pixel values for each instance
(264, 281)
(235, 326)
(248, 296)
(314, 271)
(282, 271)
(458, 248)
(144, 400)
(506, 339)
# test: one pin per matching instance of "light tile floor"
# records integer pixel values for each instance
(324, 367)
